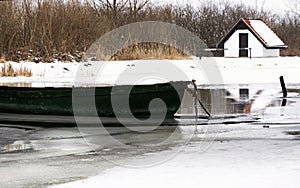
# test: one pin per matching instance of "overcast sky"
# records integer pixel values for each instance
(278, 6)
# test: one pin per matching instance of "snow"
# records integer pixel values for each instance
(59, 74)
(234, 71)
(270, 38)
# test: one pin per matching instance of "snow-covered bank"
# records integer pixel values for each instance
(234, 71)
(107, 73)
(259, 70)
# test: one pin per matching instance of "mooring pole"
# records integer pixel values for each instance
(284, 91)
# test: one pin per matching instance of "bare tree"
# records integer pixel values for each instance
(296, 7)
(112, 6)
(136, 6)
(111, 10)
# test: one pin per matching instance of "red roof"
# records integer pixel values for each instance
(264, 32)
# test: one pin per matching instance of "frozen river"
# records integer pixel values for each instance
(214, 155)
(235, 152)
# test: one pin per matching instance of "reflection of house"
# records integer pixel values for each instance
(251, 38)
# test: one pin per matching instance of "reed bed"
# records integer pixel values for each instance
(44, 30)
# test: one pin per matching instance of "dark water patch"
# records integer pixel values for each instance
(21, 127)
(293, 133)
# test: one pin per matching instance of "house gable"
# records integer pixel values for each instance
(262, 32)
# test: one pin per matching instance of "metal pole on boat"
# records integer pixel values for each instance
(284, 91)
(196, 97)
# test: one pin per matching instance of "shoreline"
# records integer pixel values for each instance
(233, 70)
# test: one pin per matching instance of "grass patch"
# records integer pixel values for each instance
(8, 71)
(2, 59)
(149, 51)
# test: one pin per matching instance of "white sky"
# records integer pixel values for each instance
(277, 6)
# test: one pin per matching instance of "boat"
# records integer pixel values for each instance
(33, 104)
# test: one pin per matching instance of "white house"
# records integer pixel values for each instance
(251, 38)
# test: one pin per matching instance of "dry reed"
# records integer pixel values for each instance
(149, 51)
(7, 70)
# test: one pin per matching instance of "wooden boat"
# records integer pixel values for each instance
(58, 102)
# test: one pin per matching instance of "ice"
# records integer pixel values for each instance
(225, 156)
(211, 155)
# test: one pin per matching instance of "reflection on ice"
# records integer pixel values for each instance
(274, 112)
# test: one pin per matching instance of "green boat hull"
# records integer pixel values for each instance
(60, 101)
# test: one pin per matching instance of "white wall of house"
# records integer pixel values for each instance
(257, 49)
(271, 52)
(231, 46)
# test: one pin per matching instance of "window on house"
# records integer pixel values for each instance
(244, 94)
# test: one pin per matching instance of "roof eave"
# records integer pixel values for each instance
(277, 47)
(224, 39)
